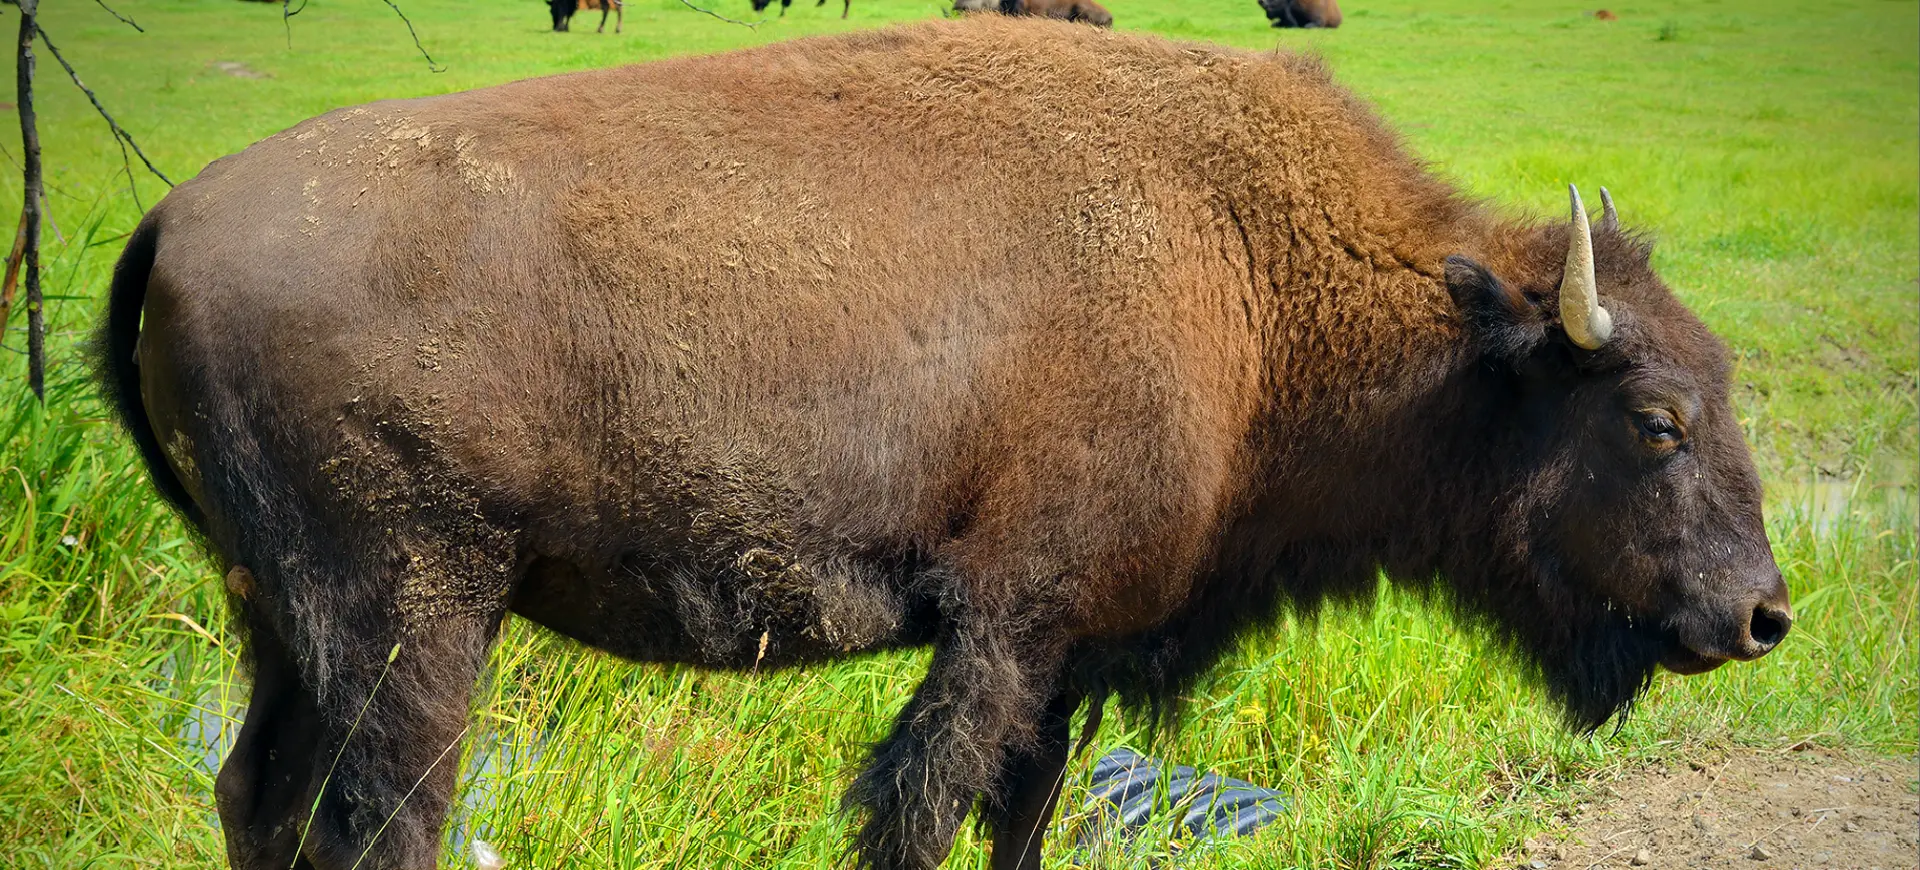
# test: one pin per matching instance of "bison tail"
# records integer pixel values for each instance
(116, 364)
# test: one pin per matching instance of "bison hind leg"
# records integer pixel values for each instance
(265, 785)
(349, 754)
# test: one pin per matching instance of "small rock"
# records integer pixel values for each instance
(1537, 864)
(1642, 858)
(1760, 852)
(1839, 778)
(1850, 828)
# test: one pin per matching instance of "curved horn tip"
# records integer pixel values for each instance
(1586, 323)
(1609, 219)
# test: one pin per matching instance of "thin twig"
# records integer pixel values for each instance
(46, 206)
(1608, 857)
(286, 18)
(13, 272)
(129, 22)
(747, 24)
(434, 67)
(1762, 838)
(117, 130)
(128, 166)
(8, 153)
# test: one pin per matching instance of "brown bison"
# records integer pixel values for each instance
(1302, 13)
(1196, 343)
(563, 10)
(846, 6)
(1063, 10)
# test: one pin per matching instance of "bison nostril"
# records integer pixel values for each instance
(1770, 626)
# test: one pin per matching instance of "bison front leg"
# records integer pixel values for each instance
(981, 695)
(1031, 779)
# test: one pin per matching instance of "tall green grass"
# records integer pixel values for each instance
(1783, 189)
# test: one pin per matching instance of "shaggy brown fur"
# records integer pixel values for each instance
(1302, 13)
(1195, 340)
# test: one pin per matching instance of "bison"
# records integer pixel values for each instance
(1302, 13)
(1196, 343)
(1063, 10)
(563, 10)
(846, 6)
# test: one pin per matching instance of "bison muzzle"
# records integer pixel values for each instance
(1073, 355)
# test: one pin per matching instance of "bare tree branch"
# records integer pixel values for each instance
(410, 32)
(286, 18)
(127, 165)
(115, 125)
(130, 22)
(30, 207)
(747, 24)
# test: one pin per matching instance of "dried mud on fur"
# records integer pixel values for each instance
(1746, 809)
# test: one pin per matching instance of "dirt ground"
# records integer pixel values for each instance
(1746, 810)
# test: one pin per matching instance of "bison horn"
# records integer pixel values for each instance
(1586, 322)
(1609, 219)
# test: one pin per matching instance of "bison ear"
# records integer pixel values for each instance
(1501, 320)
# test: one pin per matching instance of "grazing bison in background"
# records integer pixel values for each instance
(846, 6)
(1302, 13)
(1063, 10)
(563, 10)
(1198, 343)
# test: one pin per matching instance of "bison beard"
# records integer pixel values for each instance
(1596, 671)
(1075, 355)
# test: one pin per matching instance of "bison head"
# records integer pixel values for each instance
(1626, 519)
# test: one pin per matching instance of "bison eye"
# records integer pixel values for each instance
(1659, 429)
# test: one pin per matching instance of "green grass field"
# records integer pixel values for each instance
(1772, 148)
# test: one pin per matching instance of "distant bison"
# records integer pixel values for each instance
(1063, 10)
(1302, 13)
(1196, 344)
(846, 6)
(563, 10)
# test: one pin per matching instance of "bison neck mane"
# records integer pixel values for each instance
(1422, 468)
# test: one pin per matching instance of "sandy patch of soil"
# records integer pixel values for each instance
(1747, 810)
